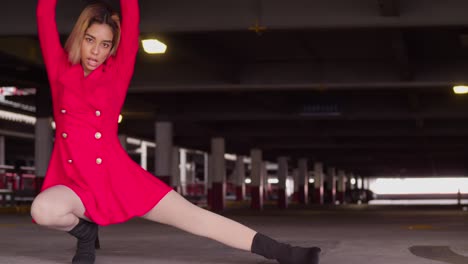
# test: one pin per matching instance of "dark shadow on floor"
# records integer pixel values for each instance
(439, 253)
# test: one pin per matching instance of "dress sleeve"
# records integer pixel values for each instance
(52, 51)
(129, 42)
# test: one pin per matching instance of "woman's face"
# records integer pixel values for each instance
(96, 46)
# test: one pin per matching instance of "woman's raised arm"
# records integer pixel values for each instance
(52, 51)
(128, 47)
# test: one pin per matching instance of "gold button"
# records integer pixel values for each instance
(70, 161)
(97, 135)
(98, 113)
(98, 161)
(63, 111)
(64, 135)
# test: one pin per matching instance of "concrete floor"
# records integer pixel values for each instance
(351, 235)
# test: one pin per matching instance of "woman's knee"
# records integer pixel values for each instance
(53, 204)
(44, 212)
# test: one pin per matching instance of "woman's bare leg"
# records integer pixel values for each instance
(176, 211)
(58, 207)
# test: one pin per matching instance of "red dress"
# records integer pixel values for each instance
(87, 156)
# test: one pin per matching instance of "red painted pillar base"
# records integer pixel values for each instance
(240, 193)
(318, 196)
(303, 194)
(295, 196)
(218, 190)
(341, 197)
(166, 179)
(257, 197)
(282, 199)
(177, 189)
(330, 197)
(209, 197)
(38, 181)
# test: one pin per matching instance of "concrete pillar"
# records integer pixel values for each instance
(183, 178)
(257, 179)
(205, 172)
(282, 176)
(42, 148)
(365, 183)
(295, 176)
(240, 178)
(219, 174)
(266, 185)
(209, 181)
(164, 147)
(190, 173)
(356, 181)
(303, 181)
(176, 168)
(44, 135)
(123, 141)
(341, 186)
(359, 184)
(2, 150)
(331, 186)
(318, 183)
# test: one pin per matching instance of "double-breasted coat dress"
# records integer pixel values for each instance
(87, 156)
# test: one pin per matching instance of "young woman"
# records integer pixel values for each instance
(90, 180)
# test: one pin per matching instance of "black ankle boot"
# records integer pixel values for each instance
(97, 244)
(284, 253)
(86, 232)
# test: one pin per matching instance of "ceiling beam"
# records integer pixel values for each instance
(364, 115)
(363, 146)
(327, 75)
(243, 131)
(213, 15)
(400, 50)
(389, 8)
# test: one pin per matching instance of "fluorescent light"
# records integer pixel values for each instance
(230, 156)
(120, 119)
(154, 46)
(273, 180)
(248, 180)
(460, 89)
(311, 180)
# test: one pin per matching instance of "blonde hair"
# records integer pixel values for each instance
(99, 13)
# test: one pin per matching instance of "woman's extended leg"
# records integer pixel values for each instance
(176, 211)
(60, 208)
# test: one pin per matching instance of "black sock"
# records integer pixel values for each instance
(284, 253)
(86, 233)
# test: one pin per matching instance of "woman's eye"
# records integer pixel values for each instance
(89, 39)
(106, 45)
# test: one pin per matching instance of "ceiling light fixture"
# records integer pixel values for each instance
(153, 46)
(460, 89)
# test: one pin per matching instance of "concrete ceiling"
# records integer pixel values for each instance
(363, 86)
